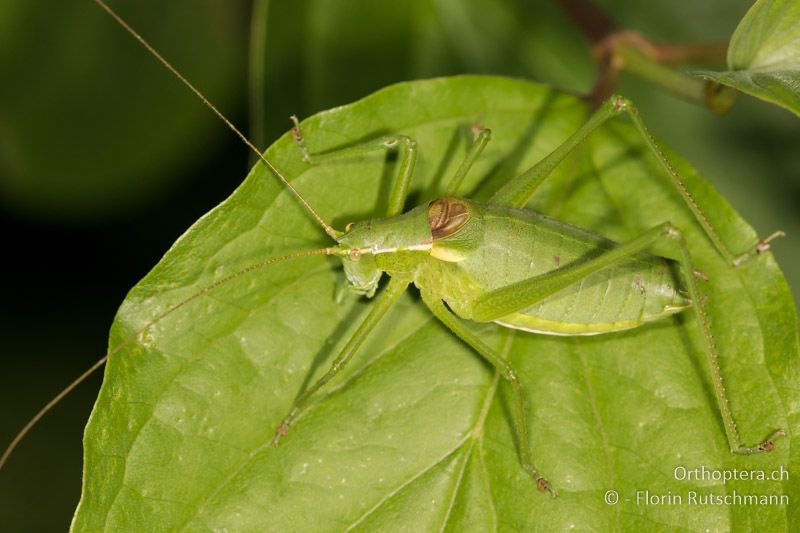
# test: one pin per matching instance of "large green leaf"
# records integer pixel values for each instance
(764, 54)
(416, 432)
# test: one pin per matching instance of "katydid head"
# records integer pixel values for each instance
(362, 243)
(443, 229)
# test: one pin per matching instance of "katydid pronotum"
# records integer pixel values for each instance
(434, 263)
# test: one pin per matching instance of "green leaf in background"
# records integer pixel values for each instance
(764, 54)
(415, 434)
(302, 50)
(90, 125)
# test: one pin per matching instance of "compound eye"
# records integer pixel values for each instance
(355, 255)
(446, 216)
(348, 227)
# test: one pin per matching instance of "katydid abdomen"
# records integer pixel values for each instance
(520, 244)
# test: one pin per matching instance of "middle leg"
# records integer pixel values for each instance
(507, 372)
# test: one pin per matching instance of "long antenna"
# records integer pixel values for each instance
(335, 234)
(130, 338)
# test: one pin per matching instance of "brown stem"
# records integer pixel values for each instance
(691, 53)
(605, 82)
(617, 49)
(590, 19)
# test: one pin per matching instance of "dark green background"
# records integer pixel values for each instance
(105, 159)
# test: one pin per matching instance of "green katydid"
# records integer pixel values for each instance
(413, 255)
(492, 263)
